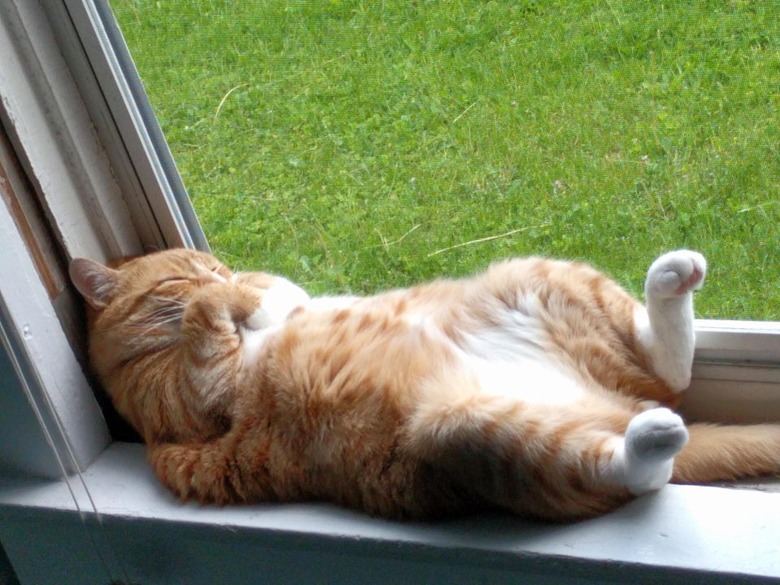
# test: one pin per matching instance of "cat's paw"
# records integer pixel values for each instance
(675, 274)
(652, 440)
(655, 435)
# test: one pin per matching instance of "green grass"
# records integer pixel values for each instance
(356, 145)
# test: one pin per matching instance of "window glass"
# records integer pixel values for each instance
(355, 145)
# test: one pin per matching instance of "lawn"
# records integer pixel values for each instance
(358, 145)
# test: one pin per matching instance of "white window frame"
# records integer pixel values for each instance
(84, 131)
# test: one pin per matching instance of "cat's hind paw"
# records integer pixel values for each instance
(676, 273)
(655, 435)
(652, 440)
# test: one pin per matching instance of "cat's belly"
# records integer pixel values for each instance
(528, 379)
(513, 359)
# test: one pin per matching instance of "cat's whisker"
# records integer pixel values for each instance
(146, 327)
(168, 300)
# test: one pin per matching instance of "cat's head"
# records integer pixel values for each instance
(143, 294)
(134, 310)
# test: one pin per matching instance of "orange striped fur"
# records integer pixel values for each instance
(537, 387)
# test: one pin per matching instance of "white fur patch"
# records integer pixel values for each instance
(277, 303)
(282, 299)
(528, 379)
(511, 359)
(253, 341)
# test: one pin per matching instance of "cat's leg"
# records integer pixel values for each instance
(211, 473)
(553, 461)
(665, 326)
(211, 326)
(643, 459)
(197, 472)
(219, 309)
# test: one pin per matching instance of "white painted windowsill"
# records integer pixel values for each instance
(682, 534)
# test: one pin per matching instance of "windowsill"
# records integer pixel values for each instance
(683, 532)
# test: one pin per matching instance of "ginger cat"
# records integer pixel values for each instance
(539, 387)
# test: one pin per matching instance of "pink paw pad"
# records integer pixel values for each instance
(692, 282)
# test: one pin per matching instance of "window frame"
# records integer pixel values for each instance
(86, 136)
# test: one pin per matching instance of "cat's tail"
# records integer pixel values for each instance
(727, 452)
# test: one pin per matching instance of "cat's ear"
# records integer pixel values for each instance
(96, 283)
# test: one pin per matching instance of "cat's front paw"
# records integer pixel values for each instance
(675, 274)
